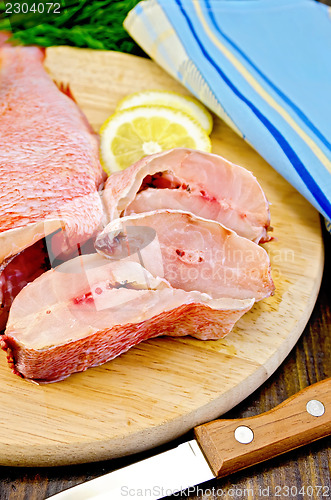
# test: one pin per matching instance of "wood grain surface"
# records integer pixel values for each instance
(164, 387)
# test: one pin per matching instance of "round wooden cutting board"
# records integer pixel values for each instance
(163, 387)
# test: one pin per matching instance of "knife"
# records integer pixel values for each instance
(220, 447)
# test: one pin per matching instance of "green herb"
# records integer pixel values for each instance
(97, 24)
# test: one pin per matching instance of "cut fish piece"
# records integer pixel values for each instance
(202, 183)
(197, 254)
(49, 163)
(109, 306)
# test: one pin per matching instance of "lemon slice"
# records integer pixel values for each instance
(183, 103)
(133, 133)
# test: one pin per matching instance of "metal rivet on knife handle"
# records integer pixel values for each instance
(277, 431)
(244, 434)
(315, 408)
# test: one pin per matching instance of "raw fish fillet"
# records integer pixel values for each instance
(191, 253)
(49, 163)
(202, 183)
(108, 306)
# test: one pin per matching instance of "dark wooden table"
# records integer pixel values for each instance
(301, 474)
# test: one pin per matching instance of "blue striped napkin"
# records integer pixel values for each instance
(263, 66)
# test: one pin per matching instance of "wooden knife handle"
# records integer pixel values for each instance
(285, 427)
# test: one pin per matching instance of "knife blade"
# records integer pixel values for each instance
(220, 447)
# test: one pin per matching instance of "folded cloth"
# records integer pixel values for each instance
(263, 66)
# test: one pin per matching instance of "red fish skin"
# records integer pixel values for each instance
(57, 363)
(49, 157)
